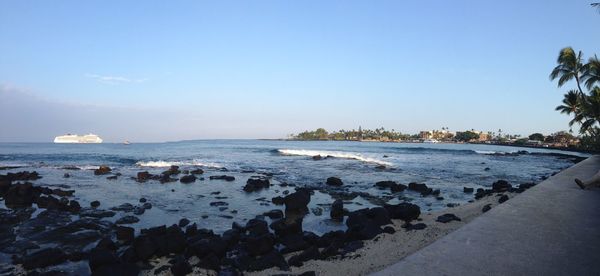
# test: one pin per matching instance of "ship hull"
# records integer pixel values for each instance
(78, 139)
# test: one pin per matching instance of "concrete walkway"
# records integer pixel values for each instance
(551, 229)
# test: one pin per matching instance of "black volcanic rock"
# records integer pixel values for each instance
(43, 258)
(222, 177)
(102, 170)
(297, 201)
(404, 211)
(256, 183)
(502, 199)
(337, 210)
(445, 218)
(501, 186)
(334, 181)
(187, 179)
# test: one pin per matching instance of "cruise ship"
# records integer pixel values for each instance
(78, 139)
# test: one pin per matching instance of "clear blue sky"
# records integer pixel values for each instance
(171, 70)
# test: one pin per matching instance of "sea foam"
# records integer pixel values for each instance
(336, 154)
(162, 163)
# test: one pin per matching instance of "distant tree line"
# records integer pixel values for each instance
(378, 134)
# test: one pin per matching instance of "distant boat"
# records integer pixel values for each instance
(430, 141)
(78, 139)
(126, 143)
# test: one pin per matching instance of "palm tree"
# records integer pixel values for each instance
(591, 73)
(569, 67)
(590, 110)
(571, 105)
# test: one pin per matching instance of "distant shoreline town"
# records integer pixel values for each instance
(559, 140)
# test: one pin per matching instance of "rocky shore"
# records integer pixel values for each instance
(44, 231)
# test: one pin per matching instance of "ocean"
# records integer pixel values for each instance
(447, 167)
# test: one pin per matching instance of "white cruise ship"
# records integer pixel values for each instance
(78, 139)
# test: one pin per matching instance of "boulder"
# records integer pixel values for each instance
(445, 218)
(501, 186)
(188, 179)
(419, 187)
(222, 177)
(486, 208)
(274, 214)
(334, 181)
(197, 171)
(101, 257)
(468, 190)
(143, 176)
(337, 210)
(278, 200)
(125, 233)
(127, 220)
(297, 201)
(173, 170)
(287, 226)
(43, 258)
(95, 204)
(20, 195)
(102, 170)
(502, 199)
(256, 183)
(404, 211)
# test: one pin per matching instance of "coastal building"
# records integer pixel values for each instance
(436, 135)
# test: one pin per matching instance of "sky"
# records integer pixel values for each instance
(154, 71)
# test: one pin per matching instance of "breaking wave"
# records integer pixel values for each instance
(336, 154)
(162, 163)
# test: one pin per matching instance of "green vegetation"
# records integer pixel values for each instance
(379, 134)
(582, 105)
(537, 137)
(466, 136)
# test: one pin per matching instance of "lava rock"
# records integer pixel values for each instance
(419, 187)
(101, 257)
(404, 211)
(334, 181)
(183, 222)
(501, 186)
(502, 199)
(188, 179)
(486, 208)
(197, 171)
(173, 170)
(125, 233)
(445, 218)
(143, 176)
(222, 177)
(43, 258)
(256, 184)
(278, 200)
(297, 201)
(102, 170)
(274, 214)
(337, 210)
(468, 190)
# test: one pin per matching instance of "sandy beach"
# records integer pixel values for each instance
(384, 250)
(387, 249)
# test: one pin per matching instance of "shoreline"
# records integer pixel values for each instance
(387, 249)
(359, 251)
(449, 143)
